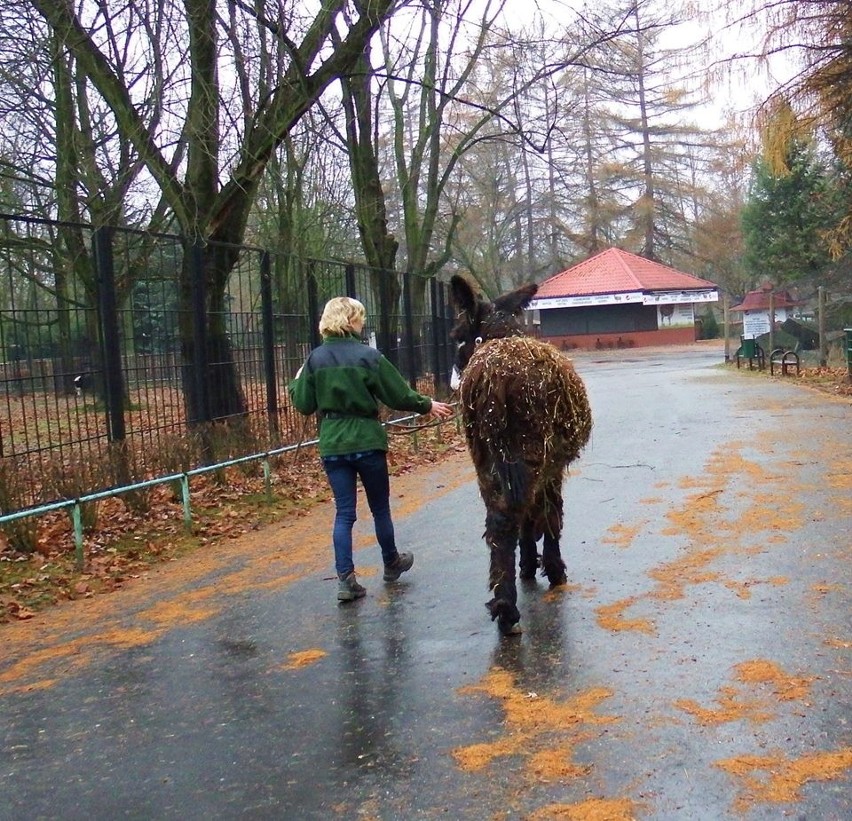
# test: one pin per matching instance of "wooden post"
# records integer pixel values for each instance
(823, 354)
(726, 324)
(771, 321)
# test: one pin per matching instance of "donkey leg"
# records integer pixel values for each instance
(551, 560)
(552, 565)
(529, 555)
(501, 535)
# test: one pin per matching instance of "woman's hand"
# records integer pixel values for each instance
(441, 410)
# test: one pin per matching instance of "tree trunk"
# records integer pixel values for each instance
(646, 201)
(212, 388)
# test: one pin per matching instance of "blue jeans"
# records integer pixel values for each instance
(342, 472)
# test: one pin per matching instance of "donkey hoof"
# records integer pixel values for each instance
(507, 629)
(556, 575)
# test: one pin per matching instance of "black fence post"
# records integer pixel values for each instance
(102, 239)
(349, 274)
(436, 323)
(313, 307)
(442, 376)
(199, 331)
(268, 329)
(387, 345)
(408, 328)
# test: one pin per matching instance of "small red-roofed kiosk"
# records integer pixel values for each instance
(616, 299)
(757, 306)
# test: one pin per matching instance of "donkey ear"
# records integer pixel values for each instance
(516, 300)
(462, 294)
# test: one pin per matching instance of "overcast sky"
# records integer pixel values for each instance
(739, 84)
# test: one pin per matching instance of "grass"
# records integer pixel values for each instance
(833, 380)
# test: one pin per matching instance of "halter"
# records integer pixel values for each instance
(497, 325)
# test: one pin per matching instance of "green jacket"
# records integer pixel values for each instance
(345, 380)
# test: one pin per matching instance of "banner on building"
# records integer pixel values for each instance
(655, 298)
(675, 316)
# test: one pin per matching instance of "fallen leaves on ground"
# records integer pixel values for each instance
(125, 543)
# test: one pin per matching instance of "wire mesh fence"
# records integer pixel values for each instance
(127, 355)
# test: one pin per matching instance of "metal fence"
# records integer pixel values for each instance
(107, 376)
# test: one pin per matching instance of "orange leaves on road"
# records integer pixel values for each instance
(752, 703)
(303, 658)
(776, 778)
(541, 729)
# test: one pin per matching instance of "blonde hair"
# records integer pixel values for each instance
(339, 314)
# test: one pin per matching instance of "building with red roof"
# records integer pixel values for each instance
(618, 299)
(759, 300)
(763, 306)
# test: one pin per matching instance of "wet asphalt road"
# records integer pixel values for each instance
(695, 667)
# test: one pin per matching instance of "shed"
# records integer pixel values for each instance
(616, 299)
(755, 309)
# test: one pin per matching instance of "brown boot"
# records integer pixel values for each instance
(348, 588)
(397, 567)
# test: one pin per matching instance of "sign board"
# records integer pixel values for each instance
(591, 299)
(675, 316)
(755, 323)
(656, 298)
(669, 297)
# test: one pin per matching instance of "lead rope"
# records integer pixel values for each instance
(405, 429)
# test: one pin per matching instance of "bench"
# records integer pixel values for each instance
(750, 350)
(786, 360)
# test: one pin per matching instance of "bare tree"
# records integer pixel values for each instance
(211, 192)
(74, 165)
(454, 96)
(653, 146)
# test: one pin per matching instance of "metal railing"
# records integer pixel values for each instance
(126, 356)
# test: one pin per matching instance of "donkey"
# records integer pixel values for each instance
(526, 416)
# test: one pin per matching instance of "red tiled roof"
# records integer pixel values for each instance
(615, 271)
(759, 300)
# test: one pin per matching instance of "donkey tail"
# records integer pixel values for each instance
(514, 480)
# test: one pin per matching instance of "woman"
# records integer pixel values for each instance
(345, 380)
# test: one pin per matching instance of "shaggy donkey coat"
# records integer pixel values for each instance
(526, 416)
